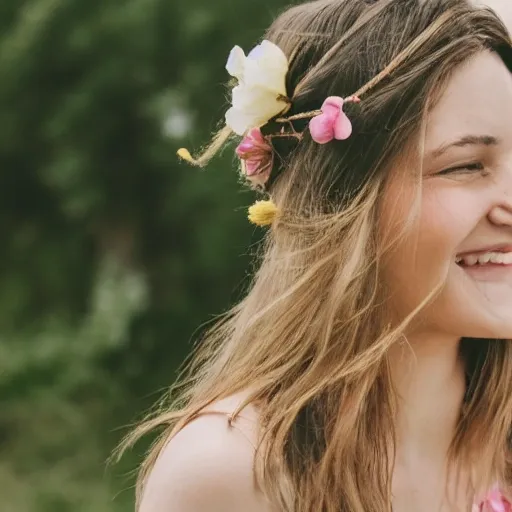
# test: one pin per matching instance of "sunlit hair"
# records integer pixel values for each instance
(310, 341)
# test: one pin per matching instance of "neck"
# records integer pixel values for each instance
(429, 378)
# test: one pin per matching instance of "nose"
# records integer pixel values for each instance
(501, 214)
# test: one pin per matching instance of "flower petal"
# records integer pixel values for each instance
(254, 146)
(322, 128)
(256, 53)
(333, 123)
(260, 178)
(257, 105)
(342, 127)
(332, 104)
(250, 98)
(267, 74)
(270, 52)
(236, 63)
(239, 121)
(258, 97)
(256, 135)
(255, 99)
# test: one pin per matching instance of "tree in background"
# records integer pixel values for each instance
(114, 253)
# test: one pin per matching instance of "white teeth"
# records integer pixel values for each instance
(470, 260)
(503, 258)
(486, 258)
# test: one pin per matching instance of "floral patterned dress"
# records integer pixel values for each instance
(495, 501)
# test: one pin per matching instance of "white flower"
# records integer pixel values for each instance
(261, 91)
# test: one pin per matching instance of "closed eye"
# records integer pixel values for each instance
(470, 168)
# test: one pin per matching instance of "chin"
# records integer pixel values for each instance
(478, 302)
(458, 316)
(492, 327)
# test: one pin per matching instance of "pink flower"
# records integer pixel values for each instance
(257, 157)
(333, 123)
(495, 502)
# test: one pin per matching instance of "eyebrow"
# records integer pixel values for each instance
(467, 140)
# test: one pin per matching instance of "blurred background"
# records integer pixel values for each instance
(114, 253)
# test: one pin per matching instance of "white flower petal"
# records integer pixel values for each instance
(272, 107)
(264, 74)
(268, 51)
(239, 121)
(267, 65)
(243, 120)
(236, 63)
(256, 53)
(249, 98)
(254, 100)
(262, 80)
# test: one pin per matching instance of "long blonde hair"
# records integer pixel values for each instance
(310, 340)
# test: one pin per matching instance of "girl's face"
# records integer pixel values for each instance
(463, 233)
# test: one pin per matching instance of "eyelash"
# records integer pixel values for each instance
(467, 168)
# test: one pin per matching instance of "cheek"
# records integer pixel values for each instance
(423, 257)
(445, 220)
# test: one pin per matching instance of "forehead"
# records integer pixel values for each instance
(477, 101)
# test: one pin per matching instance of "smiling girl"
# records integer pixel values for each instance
(369, 367)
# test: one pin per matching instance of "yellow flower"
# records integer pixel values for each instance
(263, 213)
(261, 91)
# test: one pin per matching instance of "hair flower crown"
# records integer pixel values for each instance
(259, 97)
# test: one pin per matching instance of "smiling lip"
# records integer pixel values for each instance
(489, 270)
(494, 248)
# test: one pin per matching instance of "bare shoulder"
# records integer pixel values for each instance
(208, 465)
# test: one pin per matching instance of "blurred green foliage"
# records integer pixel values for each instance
(114, 253)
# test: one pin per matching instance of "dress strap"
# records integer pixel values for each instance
(246, 421)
